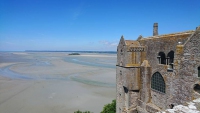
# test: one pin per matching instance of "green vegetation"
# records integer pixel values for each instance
(110, 108)
(82, 111)
(74, 54)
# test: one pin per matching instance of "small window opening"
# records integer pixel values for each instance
(125, 89)
(120, 72)
(161, 58)
(199, 71)
(197, 88)
(121, 52)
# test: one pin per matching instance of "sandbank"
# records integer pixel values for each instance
(47, 83)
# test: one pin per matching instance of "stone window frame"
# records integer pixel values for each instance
(161, 58)
(170, 61)
(158, 83)
(170, 57)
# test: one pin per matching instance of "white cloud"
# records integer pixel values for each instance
(114, 44)
(107, 43)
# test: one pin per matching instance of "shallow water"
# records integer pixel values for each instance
(55, 82)
(5, 71)
(44, 60)
(91, 61)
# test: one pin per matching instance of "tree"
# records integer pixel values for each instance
(110, 108)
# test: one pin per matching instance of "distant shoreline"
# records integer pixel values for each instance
(111, 52)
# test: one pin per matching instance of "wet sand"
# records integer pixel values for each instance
(46, 82)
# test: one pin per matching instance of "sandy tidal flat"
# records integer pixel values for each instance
(45, 82)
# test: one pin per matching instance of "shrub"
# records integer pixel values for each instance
(74, 54)
(82, 111)
(110, 108)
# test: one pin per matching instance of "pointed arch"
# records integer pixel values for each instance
(162, 58)
(170, 55)
(157, 82)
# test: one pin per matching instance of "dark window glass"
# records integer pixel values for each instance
(198, 71)
(197, 88)
(171, 57)
(157, 82)
(162, 58)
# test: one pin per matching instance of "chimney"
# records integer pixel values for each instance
(155, 29)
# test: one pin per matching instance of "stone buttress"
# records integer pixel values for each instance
(129, 58)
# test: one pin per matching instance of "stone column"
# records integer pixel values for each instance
(145, 81)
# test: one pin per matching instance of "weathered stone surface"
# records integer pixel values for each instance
(191, 107)
(175, 56)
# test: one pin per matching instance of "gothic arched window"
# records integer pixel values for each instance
(157, 82)
(161, 58)
(170, 55)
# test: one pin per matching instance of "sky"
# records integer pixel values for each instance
(89, 25)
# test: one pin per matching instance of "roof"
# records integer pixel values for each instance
(182, 34)
(132, 43)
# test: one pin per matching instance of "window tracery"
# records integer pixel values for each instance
(157, 82)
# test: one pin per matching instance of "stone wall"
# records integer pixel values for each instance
(127, 80)
(134, 77)
(155, 45)
(188, 62)
(163, 44)
(120, 92)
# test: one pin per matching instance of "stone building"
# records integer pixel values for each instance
(157, 72)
